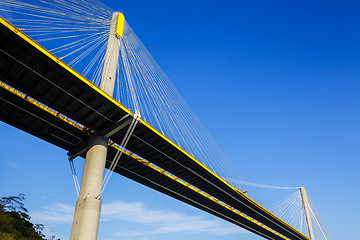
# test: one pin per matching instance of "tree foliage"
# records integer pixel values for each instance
(15, 221)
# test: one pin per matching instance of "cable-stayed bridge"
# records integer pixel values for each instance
(98, 94)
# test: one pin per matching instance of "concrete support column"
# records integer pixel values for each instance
(88, 207)
(111, 59)
(307, 212)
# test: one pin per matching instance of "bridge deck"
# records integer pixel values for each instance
(40, 90)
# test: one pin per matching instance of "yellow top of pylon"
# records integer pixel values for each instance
(305, 194)
(119, 29)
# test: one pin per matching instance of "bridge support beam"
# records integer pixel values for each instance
(307, 212)
(88, 207)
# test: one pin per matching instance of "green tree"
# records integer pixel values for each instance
(15, 221)
(13, 204)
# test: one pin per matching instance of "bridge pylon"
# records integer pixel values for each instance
(305, 203)
(88, 207)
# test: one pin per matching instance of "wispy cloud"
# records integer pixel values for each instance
(53, 214)
(161, 221)
(164, 221)
(12, 164)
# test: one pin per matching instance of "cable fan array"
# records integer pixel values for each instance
(292, 211)
(142, 86)
(320, 231)
(75, 31)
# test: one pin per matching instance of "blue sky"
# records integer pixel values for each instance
(286, 74)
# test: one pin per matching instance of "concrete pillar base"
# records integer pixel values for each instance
(89, 209)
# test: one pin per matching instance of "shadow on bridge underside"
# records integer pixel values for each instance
(41, 95)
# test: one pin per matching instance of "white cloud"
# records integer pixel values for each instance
(53, 214)
(164, 221)
(12, 164)
(161, 221)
